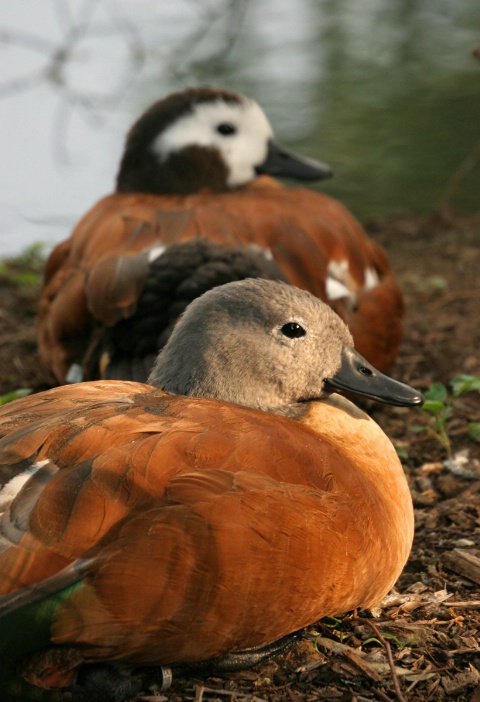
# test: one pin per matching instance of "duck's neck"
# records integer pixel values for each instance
(353, 433)
(362, 442)
(192, 170)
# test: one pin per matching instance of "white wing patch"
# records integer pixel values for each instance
(260, 249)
(19, 497)
(155, 253)
(336, 290)
(11, 489)
(336, 284)
(371, 278)
(340, 284)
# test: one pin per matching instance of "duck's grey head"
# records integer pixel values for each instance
(206, 138)
(267, 345)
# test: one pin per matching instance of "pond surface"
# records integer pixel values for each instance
(388, 93)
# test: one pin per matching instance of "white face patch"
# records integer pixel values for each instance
(241, 151)
(11, 489)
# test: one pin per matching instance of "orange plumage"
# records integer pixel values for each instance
(190, 484)
(223, 507)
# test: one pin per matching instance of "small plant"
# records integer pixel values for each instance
(26, 268)
(439, 406)
(14, 395)
(336, 626)
(400, 644)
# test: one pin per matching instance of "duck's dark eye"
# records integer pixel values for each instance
(293, 330)
(225, 128)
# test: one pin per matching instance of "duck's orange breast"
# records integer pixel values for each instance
(201, 527)
(313, 239)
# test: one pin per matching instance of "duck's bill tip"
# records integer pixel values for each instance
(283, 163)
(359, 377)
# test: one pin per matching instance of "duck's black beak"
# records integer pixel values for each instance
(358, 376)
(283, 163)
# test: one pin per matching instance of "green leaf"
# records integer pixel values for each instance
(14, 395)
(32, 256)
(433, 406)
(417, 428)
(465, 383)
(331, 621)
(474, 430)
(436, 393)
(437, 282)
(445, 413)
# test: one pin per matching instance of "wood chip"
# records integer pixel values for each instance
(476, 694)
(460, 682)
(464, 563)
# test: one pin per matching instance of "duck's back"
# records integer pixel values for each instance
(315, 242)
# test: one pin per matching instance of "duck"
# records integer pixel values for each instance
(201, 166)
(197, 523)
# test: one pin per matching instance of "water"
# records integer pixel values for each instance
(387, 93)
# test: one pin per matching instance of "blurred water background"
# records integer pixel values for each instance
(386, 91)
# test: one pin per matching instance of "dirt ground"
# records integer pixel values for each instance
(431, 623)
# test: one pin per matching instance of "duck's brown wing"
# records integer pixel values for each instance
(176, 529)
(157, 529)
(75, 460)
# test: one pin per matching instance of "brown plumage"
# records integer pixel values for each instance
(163, 529)
(181, 178)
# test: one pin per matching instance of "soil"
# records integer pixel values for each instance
(431, 622)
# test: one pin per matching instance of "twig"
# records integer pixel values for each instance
(381, 695)
(58, 55)
(421, 677)
(391, 662)
(225, 693)
(179, 61)
(433, 689)
(451, 297)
